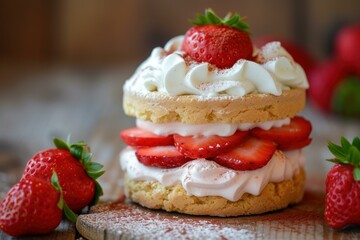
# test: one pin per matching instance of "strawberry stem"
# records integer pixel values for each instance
(347, 153)
(230, 20)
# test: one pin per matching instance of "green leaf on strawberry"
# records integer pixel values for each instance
(60, 143)
(231, 20)
(347, 153)
(81, 152)
(70, 215)
(56, 185)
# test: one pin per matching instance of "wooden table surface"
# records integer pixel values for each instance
(38, 105)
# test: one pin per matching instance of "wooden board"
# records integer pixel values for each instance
(65, 231)
(125, 220)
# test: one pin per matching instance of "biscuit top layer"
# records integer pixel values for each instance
(158, 107)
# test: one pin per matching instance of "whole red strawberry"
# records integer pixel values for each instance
(221, 42)
(324, 79)
(342, 205)
(30, 207)
(76, 172)
(347, 45)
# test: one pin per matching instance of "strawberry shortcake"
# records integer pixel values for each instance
(217, 126)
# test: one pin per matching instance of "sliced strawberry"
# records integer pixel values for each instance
(294, 145)
(205, 147)
(252, 154)
(299, 129)
(138, 137)
(161, 156)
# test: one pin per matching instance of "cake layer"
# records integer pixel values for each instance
(201, 177)
(275, 196)
(159, 107)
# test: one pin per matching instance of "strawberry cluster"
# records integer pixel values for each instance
(244, 150)
(335, 84)
(55, 182)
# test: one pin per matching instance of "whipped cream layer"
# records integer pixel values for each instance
(220, 129)
(168, 71)
(203, 177)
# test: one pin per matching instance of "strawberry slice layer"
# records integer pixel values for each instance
(294, 145)
(250, 155)
(299, 129)
(161, 156)
(137, 137)
(206, 147)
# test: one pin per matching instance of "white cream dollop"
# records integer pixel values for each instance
(219, 129)
(166, 70)
(203, 177)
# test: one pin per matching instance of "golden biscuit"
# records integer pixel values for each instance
(159, 107)
(275, 196)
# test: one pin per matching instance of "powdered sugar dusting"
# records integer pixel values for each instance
(131, 221)
(124, 220)
(272, 51)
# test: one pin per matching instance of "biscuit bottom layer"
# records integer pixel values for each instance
(274, 196)
(202, 178)
(203, 187)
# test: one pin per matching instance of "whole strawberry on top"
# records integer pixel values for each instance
(221, 42)
(76, 172)
(343, 185)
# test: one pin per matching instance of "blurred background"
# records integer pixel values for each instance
(97, 33)
(63, 63)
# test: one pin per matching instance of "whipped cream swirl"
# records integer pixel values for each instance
(203, 177)
(167, 70)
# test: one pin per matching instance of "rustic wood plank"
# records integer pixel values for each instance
(65, 231)
(120, 220)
